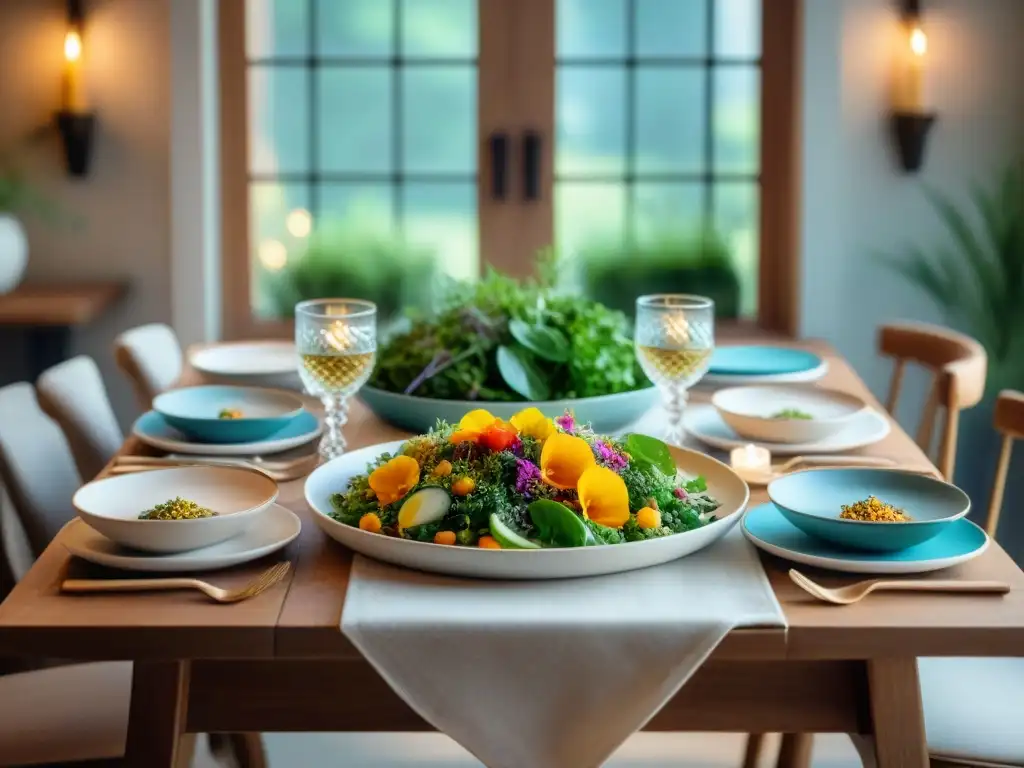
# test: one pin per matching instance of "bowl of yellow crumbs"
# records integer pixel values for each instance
(176, 509)
(878, 510)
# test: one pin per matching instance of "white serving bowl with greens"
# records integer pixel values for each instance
(606, 413)
(787, 414)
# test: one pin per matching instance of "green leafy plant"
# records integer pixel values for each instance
(355, 265)
(18, 196)
(697, 261)
(504, 339)
(977, 273)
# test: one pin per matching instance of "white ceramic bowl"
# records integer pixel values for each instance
(112, 506)
(750, 412)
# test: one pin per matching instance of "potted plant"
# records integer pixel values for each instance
(17, 196)
(976, 275)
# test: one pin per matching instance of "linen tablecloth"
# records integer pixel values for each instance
(552, 674)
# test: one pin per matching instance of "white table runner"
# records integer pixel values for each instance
(552, 674)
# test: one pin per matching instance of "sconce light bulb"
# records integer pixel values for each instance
(299, 223)
(918, 41)
(72, 45)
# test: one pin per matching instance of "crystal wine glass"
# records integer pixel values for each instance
(337, 344)
(675, 335)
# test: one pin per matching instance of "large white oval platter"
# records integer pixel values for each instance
(560, 563)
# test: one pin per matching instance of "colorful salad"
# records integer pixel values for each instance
(527, 483)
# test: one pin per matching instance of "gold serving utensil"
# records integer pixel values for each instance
(757, 477)
(257, 586)
(854, 593)
(280, 472)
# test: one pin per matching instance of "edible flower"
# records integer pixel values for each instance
(563, 459)
(393, 480)
(610, 457)
(532, 423)
(443, 468)
(603, 497)
(567, 422)
(527, 477)
(472, 426)
(499, 436)
(370, 522)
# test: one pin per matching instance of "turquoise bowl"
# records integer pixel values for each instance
(195, 412)
(607, 413)
(812, 500)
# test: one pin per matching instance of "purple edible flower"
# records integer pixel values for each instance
(610, 457)
(680, 493)
(567, 422)
(527, 475)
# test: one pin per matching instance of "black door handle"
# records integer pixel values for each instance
(531, 165)
(499, 164)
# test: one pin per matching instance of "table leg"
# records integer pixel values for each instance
(156, 719)
(896, 714)
(752, 754)
(795, 751)
(47, 346)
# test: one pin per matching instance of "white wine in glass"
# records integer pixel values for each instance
(337, 344)
(675, 336)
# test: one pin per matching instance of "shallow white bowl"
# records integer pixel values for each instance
(554, 563)
(748, 411)
(112, 506)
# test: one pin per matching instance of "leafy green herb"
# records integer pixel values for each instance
(651, 451)
(547, 343)
(557, 524)
(792, 413)
(521, 373)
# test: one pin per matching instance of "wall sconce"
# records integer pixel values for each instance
(74, 120)
(911, 120)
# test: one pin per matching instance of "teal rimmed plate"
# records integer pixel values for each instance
(769, 531)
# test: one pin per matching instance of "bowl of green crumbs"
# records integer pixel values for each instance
(792, 413)
(175, 509)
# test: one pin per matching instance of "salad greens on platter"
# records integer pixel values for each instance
(506, 340)
(526, 483)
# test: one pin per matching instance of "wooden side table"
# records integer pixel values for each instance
(49, 311)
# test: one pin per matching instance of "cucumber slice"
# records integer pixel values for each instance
(508, 538)
(427, 505)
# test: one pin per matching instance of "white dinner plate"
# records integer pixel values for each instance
(152, 429)
(704, 423)
(251, 363)
(727, 380)
(768, 530)
(555, 563)
(275, 529)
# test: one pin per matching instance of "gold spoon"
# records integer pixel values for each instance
(853, 593)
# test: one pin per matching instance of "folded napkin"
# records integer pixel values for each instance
(552, 674)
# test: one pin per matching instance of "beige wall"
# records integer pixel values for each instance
(124, 203)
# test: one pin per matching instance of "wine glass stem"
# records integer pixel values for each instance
(675, 401)
(335, 417)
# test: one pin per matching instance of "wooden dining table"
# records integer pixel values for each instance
(279, 662)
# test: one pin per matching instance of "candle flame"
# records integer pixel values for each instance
(72, 45)
(918, 41)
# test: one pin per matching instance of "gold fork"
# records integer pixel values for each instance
(856, 592)
(261, 584)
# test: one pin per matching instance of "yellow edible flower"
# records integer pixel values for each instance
(648, 517)
(393, 480)
(370, 522)
(472, 425)
(603, 497)
(443, 468)
(532, 423)
(563, 459)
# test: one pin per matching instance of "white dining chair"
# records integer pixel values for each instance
(150, 356)
(71, 713)
(972, 707)
(72, 393)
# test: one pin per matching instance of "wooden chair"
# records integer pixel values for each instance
(150, 356)
(72, 713)
(958, 365)
(971, 706)
(72, 394)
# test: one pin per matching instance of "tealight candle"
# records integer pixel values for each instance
(751, 460)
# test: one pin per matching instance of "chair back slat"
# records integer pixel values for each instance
(1009, 422)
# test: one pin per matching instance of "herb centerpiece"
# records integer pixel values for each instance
(507, 340)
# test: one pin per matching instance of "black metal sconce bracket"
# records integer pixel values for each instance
(76, 133)
(911, 133)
